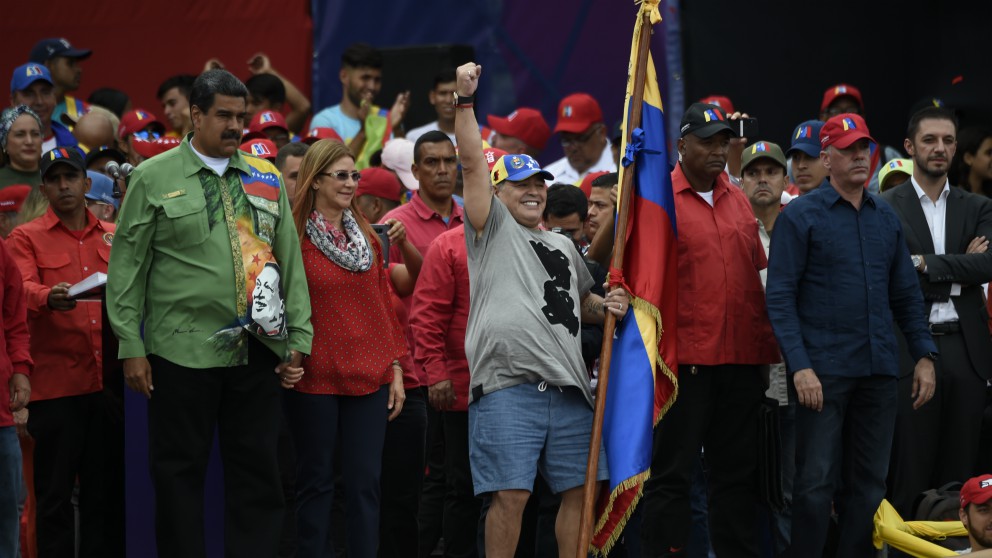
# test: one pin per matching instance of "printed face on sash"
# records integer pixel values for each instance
(268, 309)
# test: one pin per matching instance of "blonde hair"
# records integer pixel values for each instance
(321, 155)
(34, 206)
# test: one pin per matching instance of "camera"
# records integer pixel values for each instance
(382, 231)
(747, 128)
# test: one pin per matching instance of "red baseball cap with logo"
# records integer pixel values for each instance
(381, 183)
(12, 197)
(260, 147)
(137, 120)
(577, 112)
(843, 130)
(318, 134)
(840, 90)
(720, 101)
(492, 154)
(267, 119)
(149, 149)
(976, 490)
(525, 124)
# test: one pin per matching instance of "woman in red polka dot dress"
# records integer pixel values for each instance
(352, 382)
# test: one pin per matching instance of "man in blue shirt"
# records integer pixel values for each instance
(839, 274)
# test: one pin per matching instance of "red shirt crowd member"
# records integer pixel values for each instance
(68, 416)
(724, 337)
(15, 390)
(352, 382)
(438, 320)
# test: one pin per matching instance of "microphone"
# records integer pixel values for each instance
(113, 169)
(126, 170)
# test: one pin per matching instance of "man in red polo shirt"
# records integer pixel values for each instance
(69, 419)
(724, 338)
(430, 212)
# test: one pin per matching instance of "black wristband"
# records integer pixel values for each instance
(464, 101)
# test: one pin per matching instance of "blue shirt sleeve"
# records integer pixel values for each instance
(786, 266)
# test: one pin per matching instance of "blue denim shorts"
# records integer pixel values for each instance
(517, 431)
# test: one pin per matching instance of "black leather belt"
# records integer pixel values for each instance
(945, 328)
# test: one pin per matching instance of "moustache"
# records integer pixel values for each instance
(230, 135)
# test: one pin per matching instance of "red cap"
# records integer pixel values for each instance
(720, 101)
(136, 121)
(840, 90)
(318, 134)
(260, 147)
(381, 183)
(525, 124)
(843, 130)
(492, 154)
(12, 197)
(267, 119)
(586, 184)
(149, 149)
(976, 490)
(577, 112)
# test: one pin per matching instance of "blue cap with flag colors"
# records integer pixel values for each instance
(102, 189)
(806, 138)
(517, 167)
(704, 120)
(27, 74)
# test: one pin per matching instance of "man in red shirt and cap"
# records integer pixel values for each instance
(137, 124)
(976, 511)
(583, 139)
(522, 131)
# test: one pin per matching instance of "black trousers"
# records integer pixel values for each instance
(434, 486)
(243, 403)
(717, 407)
(403, 457)
(71, 439)
(939, 442)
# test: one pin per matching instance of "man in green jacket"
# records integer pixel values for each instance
(208, 296)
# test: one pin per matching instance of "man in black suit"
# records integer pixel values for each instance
(947, 230)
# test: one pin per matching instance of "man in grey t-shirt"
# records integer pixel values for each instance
(530, 402)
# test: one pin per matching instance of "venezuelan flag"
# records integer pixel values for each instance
(642, 381)
(262, 181)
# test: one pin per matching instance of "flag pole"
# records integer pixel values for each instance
(616, 262)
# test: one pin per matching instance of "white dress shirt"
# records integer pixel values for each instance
(563, 171)
(936, 214)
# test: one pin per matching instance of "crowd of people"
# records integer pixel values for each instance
(396, 334)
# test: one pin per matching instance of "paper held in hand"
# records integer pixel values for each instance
(91, 285)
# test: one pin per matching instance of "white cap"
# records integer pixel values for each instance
(397, 156)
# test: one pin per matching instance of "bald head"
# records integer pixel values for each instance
(95, 128)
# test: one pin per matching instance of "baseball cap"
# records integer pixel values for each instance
(840, 90)
(157, 146)
(267, 119)
(492, 154)
(577, 112)
(704, 120)
(525, 124)
(318, 134)
(260, 147)
(720, 101)
(842, 130)
(102, 189)
(380, 183)
(586, 184)
(516, 167)
(26, 74)
(397, 156)
(62, 155)
(105, 151)
(976, 490)
(894, 167)
(806, 138)
(137, 120)
(46, 49)
(762, 150)
(12, 197)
